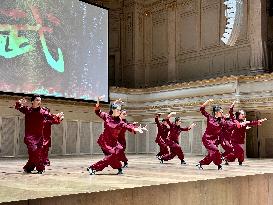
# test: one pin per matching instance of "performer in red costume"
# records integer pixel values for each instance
(211, 135)
(47, 134)
(238, 136)
(34, 123)
(226, 132)
(172, 140)
(108, 140)
(162, 134)
(122, 139)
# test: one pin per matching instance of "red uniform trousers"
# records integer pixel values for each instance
(175, 150)
(112, 158)
(36, 158)
(238, 152)
(122, 142)
(46, 145)
(163, 148)
(213, 152)
(227, 146)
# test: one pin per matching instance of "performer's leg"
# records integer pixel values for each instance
(30, 165)
(39, 160)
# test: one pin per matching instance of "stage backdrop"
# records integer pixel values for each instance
(54, 48)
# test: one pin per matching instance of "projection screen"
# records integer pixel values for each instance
(54, 48)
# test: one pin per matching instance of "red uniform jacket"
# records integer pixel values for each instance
(34, 123)
(112, 128)
(214, 126)
(175, 131)
(47, 130)
(162, 132)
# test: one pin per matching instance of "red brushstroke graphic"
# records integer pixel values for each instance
(53, 19)
(14, 13)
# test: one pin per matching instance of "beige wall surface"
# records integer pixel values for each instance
(245, 190)
(79, 131)
(154, 42)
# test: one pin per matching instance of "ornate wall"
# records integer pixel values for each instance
(154, 42)
(78, 133)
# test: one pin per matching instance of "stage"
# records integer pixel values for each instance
(145, 181)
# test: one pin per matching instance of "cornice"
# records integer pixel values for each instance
(175, 86)
(194, 84)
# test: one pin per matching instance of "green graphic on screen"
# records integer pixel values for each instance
(54, 47)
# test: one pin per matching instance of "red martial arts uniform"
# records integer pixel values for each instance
(34, 123)
(238, 140)
(47, 137)
(162, 134)
(122, 141)
(226, 132)
(108, 141)
(210, 139)
(172, 142)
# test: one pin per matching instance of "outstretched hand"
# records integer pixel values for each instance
(60, 115)
(101, 97)
(207, 102)
(144, 128)
(138, 129)
(23, 101)
(119, 101)
(235, 101)
(262, 120)
(192, 125)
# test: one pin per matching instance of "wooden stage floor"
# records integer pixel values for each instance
(68, 175)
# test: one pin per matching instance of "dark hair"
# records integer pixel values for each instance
(114, 106)
(163, 120)
(216, 108)
(176, 119)
(238, 113)
(34, 97)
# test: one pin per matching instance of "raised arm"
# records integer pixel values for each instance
(255, 122)
(231, 111)
(102, 115)
(203, 108)
(168, 118)
(170, 115)
(188, 128)
(20, 105)
(57, 119)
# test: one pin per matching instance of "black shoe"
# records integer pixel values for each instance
(27, 171)
(161, 160)
(125, 165)
(119, 171)
(226, 162)
(240, 163)
(47, 163)
(183, 161)
(40, 172)
(91, 171)
(219, 167)
(199, 166)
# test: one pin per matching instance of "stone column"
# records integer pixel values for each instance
(132, 53)
(171, 7)
(147, 45)
(257, 38)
